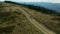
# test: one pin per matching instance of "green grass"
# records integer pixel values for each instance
(12, 21)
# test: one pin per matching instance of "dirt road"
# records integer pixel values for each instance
(30, 17)
(34, 22)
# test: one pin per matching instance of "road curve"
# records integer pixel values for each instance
(34, 22)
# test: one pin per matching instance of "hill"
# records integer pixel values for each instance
(13, 21)
(49, 18)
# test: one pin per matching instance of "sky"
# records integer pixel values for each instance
(1, 0)
(53, 1)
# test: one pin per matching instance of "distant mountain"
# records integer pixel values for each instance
(53, 6)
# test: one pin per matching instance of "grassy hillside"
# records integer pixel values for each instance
(50, 21)
(49, 18)
(12, 21)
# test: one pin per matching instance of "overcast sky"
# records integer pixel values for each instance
(53, 1)
(1, 0)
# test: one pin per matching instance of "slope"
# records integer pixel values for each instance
(12, 21)
(48, 20)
